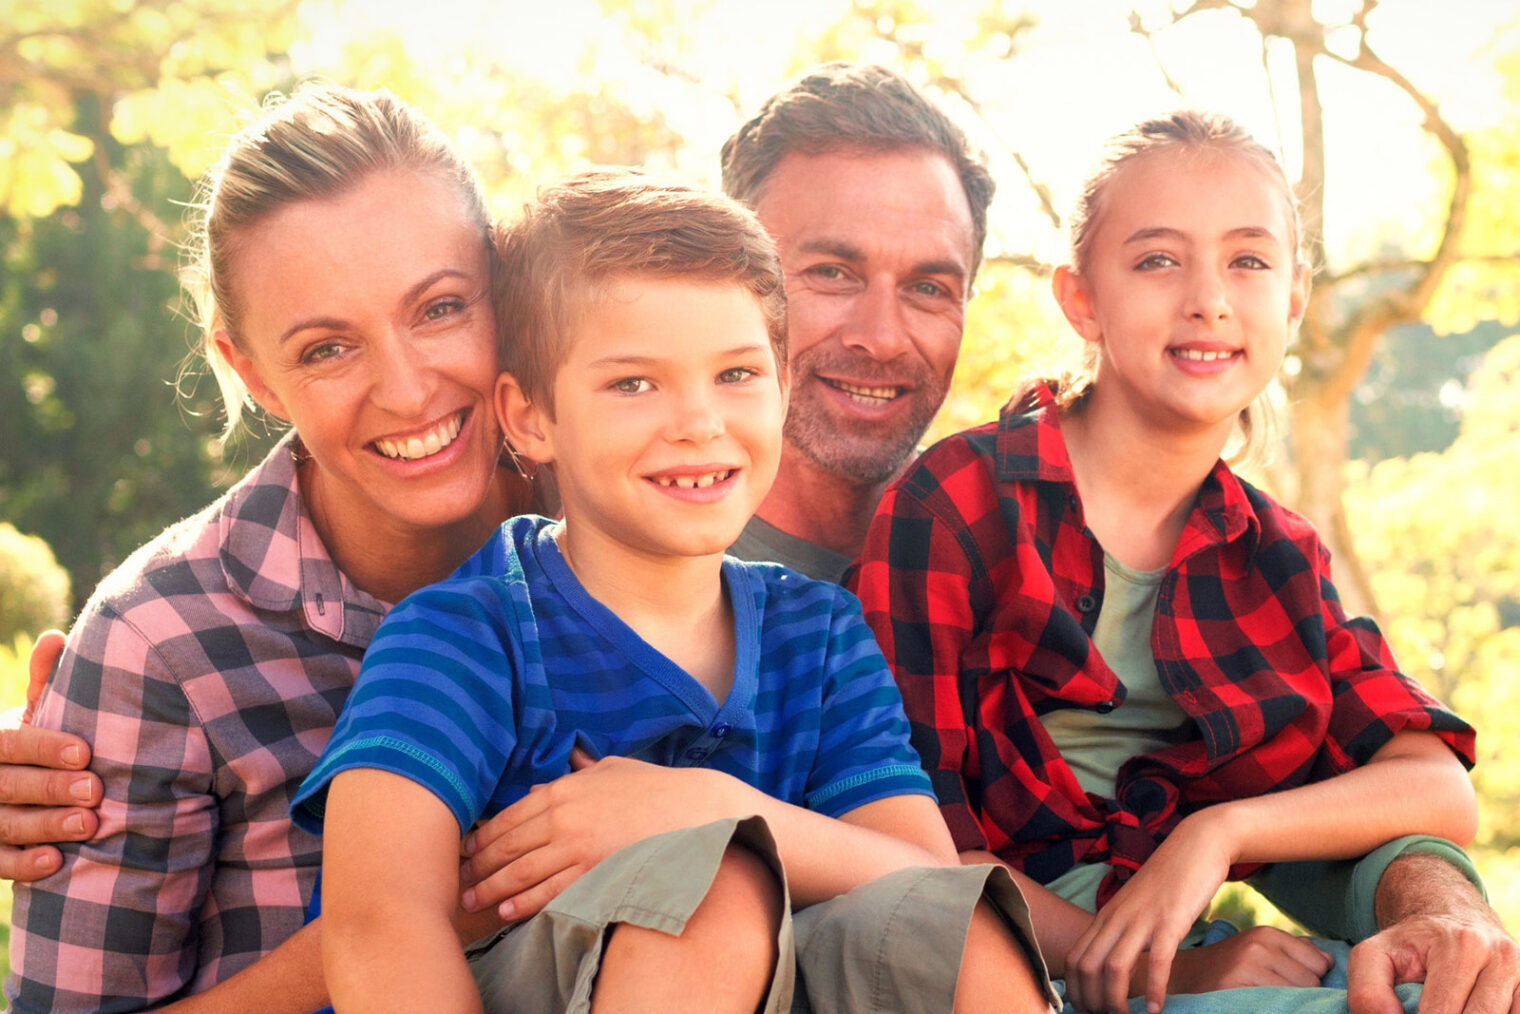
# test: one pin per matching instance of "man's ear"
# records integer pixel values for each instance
(523, 422)
(243, 366)
(1071, 293)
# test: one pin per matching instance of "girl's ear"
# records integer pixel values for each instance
(249, 374)
(1076, 304)
(523, 422)
(1298, 299)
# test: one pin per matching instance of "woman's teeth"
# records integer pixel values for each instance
(425, 446)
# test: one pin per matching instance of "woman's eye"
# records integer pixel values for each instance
(630, 385)
(443, 308)
(321, 351)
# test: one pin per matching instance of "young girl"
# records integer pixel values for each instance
(1127, 670)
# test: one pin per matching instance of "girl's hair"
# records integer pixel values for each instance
(1187, 131)
(314, 145)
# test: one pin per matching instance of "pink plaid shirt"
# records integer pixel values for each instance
(206, 672)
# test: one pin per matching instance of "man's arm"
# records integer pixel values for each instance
(46, 796)
(1435, 927)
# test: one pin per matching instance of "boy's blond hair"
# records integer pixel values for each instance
(596, 227)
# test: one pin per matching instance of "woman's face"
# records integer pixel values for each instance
(367, 324)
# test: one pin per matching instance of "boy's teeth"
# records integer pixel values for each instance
(693, 481)
(425, 446)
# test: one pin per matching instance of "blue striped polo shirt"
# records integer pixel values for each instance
(478, 687)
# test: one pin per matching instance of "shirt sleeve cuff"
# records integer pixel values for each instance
(1369, 870)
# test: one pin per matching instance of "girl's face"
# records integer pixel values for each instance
(1190, 290)
(367, 325)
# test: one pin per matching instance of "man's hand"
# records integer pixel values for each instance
(526, 854)
(1437, 930)
(45, 794)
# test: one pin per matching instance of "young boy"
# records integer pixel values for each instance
(647, 364)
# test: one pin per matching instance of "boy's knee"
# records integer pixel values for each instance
(745, 896)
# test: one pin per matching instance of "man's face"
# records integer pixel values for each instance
(877, 248)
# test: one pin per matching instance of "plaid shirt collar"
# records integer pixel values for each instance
(1031, 448)
(274, 559)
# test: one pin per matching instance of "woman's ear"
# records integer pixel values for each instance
(525, 425)
(249, 374)
(1071, 294)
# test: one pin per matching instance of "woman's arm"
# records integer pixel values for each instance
(1413, 784)
(390, 884)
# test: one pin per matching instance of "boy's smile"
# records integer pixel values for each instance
(666, 428)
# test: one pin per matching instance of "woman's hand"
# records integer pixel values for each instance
(46, 795)
(1152, 912)
(526, 854)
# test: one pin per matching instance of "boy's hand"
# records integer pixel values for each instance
(1152, 912)
(535, 848)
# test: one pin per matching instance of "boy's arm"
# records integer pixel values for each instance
(1412, 784)
(390, 883)
(533, 849)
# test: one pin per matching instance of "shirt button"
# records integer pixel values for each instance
(696, 753)
(1087, 603)
(721, 729)
(1104, 707)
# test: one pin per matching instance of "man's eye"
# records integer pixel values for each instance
(928, 289)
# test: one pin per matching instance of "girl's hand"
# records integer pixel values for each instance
(1152, 912)
(1259, 956)
(524, 856)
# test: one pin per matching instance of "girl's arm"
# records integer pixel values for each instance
(1413, 784)
(390, 883)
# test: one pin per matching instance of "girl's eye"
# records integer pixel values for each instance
(630, 385)
(737, 375)
(1250, 261)
(1150, 262)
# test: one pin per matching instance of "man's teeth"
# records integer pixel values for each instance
(866, 395)
(693, 481)
(425, 446)
(1200, 355)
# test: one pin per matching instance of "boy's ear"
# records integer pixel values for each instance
(243, 366)
(522, 421)
(1076, 304)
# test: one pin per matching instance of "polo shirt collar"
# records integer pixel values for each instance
(274, 559)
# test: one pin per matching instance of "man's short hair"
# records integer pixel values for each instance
(843, 105)
(596, 227)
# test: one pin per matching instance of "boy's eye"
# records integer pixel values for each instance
(1150, 262)
(630, 385)
(737, 375)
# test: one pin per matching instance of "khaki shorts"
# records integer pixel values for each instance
(890, 945)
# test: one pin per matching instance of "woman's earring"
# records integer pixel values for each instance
(515, 460)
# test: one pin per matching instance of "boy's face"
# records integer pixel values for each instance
(667, 418)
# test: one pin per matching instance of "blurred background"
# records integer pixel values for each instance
(1400, 120)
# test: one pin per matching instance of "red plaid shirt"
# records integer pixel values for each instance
(983, 585)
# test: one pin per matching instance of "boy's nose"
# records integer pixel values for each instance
(694, 419)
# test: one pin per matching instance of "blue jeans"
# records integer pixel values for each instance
(1327, 998)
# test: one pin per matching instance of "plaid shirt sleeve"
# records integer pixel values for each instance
(114, 929)
(914, 585)
(1373, 700)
